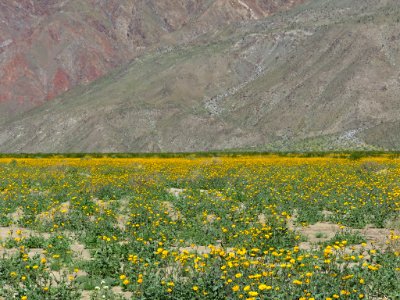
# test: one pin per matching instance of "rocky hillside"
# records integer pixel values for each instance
(48, 47)
(321, 76)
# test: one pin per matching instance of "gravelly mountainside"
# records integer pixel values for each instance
(321, 76)
(48, 47)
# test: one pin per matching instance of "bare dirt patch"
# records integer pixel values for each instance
(316, 233)
(319, 232)
(211, 218)
(176, 192)
(36, 251)
(174, 214)
(262, 219)
(102, 203)
(6, 253)
(21, 233)
(49, 215)
(122, 220)
(375, 235)
(118, 290)
(324, 231)
(14, 231)
(196, 249)
(80, 251)
(58, 276)
(17, 215)
(86, 295)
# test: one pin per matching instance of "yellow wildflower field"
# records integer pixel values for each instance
(244, 227)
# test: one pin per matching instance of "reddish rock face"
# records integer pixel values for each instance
(49, 46)
(61, 82)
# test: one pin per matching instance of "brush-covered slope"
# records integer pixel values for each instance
(321, 76)
(48, 47)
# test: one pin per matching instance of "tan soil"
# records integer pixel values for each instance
(47, 216)
(176, 192)
(17, 215)
(118, 290)
(172, 212)
(211, 218)
(328, 230)
(262, 219)
(80, 251)
(375, 237)
(86, 295)
(11, 231)
(196, 249)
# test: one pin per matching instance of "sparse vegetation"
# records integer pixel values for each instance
(318, 77)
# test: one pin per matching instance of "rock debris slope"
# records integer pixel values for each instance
(321, 76)
(49, 47)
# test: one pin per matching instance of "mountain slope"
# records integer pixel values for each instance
(48, 47)
(321, 76)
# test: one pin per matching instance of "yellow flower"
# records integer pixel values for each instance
(253, 294)
(373, 268)
(263, 287)
(122, 277)
(24, 298)
(238, 275)
(347, 277)
(235, 288)
(126, 282)
(344, 292)
(195, 288)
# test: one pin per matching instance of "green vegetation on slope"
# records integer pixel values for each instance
(320, 77)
